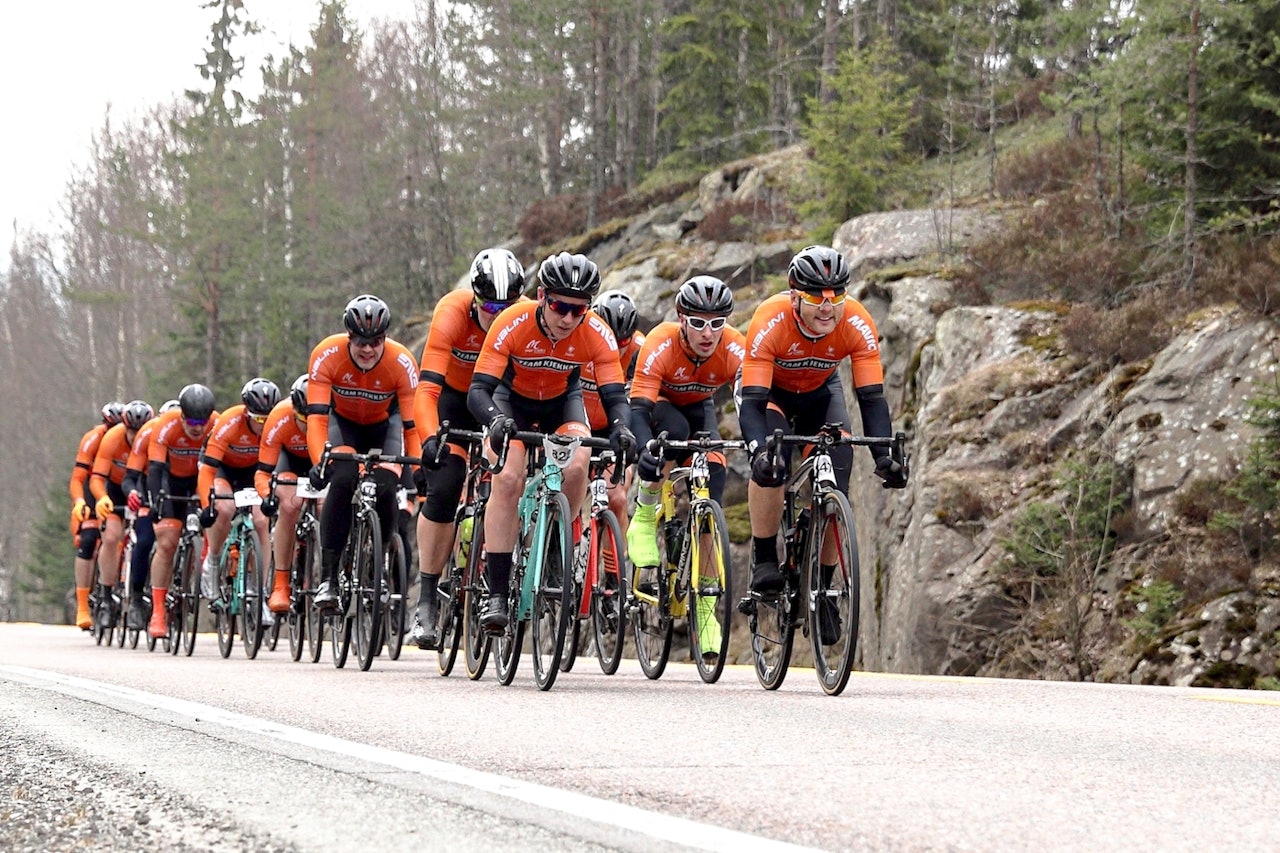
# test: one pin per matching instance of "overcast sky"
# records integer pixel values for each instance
(64, 62)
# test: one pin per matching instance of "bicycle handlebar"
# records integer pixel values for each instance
(830, 436)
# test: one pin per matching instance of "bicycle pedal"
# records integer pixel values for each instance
(747, 606)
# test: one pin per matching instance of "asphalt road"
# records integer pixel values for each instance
(122, 749)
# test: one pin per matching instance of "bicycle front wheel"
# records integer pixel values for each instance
(508, 645)
(188, 621)
(450, 597)
(475, 592)
(253, 601)
(553, 602)
(366, 597)
(710, 589)
(772, 624)
(397, 584)
(833, 592)
(608, 599)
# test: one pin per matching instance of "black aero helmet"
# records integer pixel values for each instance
(497, 276)
(196, 402)
(704, 294)
(260, 396)
(298, 394)
(137, 413)
(570, 275)
(112, 413)
(366, 316)
(816, 268)
(619, 312)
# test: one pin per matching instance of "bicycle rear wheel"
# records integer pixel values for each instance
(553, 601)
(366, 595)
(608, 610)
(772, 624)
(710, 589)
(449, 625)
(475, 593)
(833, 592)
(189, 621)
(397, 586)
(253, 600)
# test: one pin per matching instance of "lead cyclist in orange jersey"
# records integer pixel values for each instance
(172, 462)
(109, 469)
(458, 327)
(84, 525)
(283, 452)
(682, 366)
(227, 465)
(619, 311)
(528, 378)
(359, 396)
(794, 345)
(134, 487)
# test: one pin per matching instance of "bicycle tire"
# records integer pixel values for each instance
(397, 605)
(608, 600)
(651, 621)
(710, 597)
(553, 601)
(507, 647)
(477, 643)
(190, 600)
(307, 576)
(252, 600)
(450, 595)
(772, 626)
(366, 592)
(118, 625)
(833, 600)
(172, 604)
(572, 638)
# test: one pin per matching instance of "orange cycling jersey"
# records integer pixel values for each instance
(141, 444)
(518, 354)
(667, 370)
(232, 442)
(170, 445)
(110, 463)
(86, 452)
(597, 418)
(280, 432)
(337, 385)
(779, 355)
(448, 357)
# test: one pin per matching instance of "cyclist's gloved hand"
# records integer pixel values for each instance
(270, 506)
(623, 443)
(764, 473)
(318, 476)
(134, 501)
(420, 477)
(208, 515)
(500, 429)
(893, 474)
(105, 507)
(80, 511)
(649, 466)
(431, 458)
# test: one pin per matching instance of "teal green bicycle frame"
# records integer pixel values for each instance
(538, 490)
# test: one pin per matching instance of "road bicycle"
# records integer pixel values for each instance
(182, 601)
(306, 624)
(395, 602)
(363, 586)
(694, 578)
(240, 578)
(600, 592)
(540, 596)
(461, 592)
(820, 569)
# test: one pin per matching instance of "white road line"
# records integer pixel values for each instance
(642, 822)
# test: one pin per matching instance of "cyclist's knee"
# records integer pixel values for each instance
(88, 542)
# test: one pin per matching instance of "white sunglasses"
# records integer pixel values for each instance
(700, 323)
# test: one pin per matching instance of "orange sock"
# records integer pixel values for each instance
(84, 621)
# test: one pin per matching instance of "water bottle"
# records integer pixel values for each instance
(464, 540)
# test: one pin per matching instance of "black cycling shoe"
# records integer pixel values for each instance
(494, 620)
(828, 622)
(139, 614)
(766, 577)
(326, 596)
(424, 637)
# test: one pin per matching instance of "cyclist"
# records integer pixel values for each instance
(359, 391)
(528, 378)
(172, 462)
(283, 451)
(619, 311)
(105, 483)
(227, 465)
(457, 332)
(134, 488)
(795, 343)
(84, 525)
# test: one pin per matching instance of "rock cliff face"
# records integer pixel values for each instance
(992, 404)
